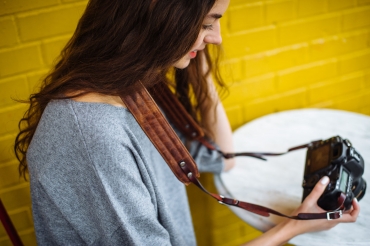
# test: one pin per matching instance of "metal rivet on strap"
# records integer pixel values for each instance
(190, 175)
(193, 134)
(182, 163)
(187, 126)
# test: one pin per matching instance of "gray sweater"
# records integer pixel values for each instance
(96, 179)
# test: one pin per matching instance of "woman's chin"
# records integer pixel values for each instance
(182, 64)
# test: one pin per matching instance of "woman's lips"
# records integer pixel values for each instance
(193, 54)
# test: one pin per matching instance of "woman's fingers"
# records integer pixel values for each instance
(352, 216)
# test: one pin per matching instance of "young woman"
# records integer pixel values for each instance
(95, 177)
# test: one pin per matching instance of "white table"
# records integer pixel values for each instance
(277, 183)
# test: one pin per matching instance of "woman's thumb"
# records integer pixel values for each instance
(319, 188)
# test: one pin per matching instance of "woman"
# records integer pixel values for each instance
(95, 176)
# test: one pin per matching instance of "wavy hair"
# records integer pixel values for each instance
(118, 43)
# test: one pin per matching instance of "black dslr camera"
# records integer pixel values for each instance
(337, 159)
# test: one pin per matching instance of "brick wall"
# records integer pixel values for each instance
(286, 54)
(32, 33)
(279, 55)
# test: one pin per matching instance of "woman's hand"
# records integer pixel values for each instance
(309, 205)
(290, 228)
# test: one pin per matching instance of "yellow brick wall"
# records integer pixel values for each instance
(32, 33)
(279, 55)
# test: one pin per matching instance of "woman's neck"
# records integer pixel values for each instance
(100, 98)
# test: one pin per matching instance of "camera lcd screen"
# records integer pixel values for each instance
(320, 158)
(343, 181)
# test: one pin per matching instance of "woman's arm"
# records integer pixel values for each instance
(219, 123)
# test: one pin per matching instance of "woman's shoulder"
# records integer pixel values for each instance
(69, 110)
(66, 117)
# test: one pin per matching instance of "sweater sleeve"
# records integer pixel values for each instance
(206, 160)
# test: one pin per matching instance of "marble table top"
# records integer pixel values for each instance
(277, 182)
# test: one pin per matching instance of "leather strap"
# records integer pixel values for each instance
(159, 131)
(9, 227)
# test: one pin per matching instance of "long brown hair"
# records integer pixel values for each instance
(116, 44)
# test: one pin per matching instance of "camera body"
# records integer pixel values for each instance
(337, 159)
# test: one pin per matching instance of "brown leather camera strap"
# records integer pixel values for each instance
(161, 134)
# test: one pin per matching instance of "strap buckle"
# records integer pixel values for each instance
(335, 214)
(221, 202)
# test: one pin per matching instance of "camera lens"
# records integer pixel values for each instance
(359, 189)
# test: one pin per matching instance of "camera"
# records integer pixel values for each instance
(337, 159)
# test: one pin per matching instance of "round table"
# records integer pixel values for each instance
(277, 183)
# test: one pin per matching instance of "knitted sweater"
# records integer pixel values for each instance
(96, 179)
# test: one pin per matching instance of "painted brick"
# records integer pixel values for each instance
(258, 108)
(51, 49)
(21, 221)
(6, 148)
(292, 99)
(365, 110)
(341, 44)
(367, 80)
(9, 118)
(29, 237)
(17, 197)
(9, 175)
(304, 75)
(256, 64)
(5, 241)
(14, 6)
(351, 102)
(354, 62)
(8, 32)
(226, 235)
(357, 18)
(365, 98)
(34, 80)
(49, 22)
(224, 23)
(69, 1)
(334, 88)
(308, 29)
(242, 2)
(251, 41)
(340, 4)
(250, 89)
(326, 104)
(280, 10)
(19, 60)
(13, 88)
(231, 70)
(288, 56)
(311, 7)
(363, 2)
(235, 116)
(246, 16)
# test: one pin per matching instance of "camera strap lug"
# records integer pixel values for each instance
(334, 215)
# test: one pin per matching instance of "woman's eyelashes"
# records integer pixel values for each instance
(208, 27)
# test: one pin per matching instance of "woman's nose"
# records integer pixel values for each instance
(214, 37)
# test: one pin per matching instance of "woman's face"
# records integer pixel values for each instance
(209, 34)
